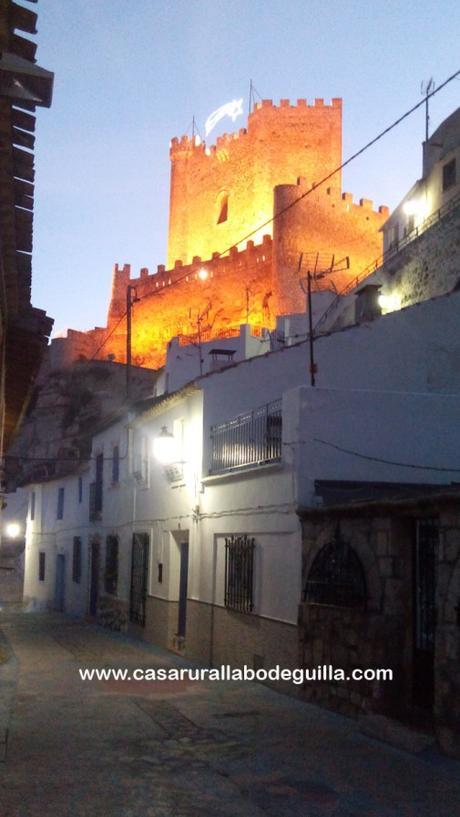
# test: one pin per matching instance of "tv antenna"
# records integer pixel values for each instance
(317, 266)
(253, 92)
(426, 89)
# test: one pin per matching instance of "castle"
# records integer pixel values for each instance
(229, 261)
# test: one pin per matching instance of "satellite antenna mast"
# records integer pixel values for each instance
(427, 89)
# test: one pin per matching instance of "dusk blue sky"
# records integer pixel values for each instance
(129, 76)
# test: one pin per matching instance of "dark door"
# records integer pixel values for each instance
(94, 579)
(183, 580)
(59, 588)
(425, 552)
(139, 574)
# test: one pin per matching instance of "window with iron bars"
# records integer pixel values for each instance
(239, 573)
(249, 440)
(336, 577)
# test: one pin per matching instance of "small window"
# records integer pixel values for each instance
(32, 506)
(222, 208)
(41, 566)
(80, 490)
(239, 564)
(76, 560)
(449, 174)
(60, 504)
(111, 565)
(115, 464)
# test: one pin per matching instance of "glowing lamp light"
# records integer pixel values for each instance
(203, 274)
(389, 303)
(12, 530)
(413, 207)
(165, 447)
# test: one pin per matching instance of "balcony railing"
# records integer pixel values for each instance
(249, 440)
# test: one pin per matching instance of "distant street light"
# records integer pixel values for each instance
(203, 274)
(12, 530)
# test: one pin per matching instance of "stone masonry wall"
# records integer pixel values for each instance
(428, 266)
(377, 637)
(447, 649)
(280, 143)
(325, 222)
(382, 635)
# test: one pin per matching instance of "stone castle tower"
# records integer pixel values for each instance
(222, 194)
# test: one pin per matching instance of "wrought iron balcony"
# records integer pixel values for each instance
(248, 440)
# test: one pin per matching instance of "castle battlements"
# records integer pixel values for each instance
(345, 200)
(220, 195)
(193, 144)
(250, 255)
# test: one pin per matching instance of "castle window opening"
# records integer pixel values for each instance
(222, 208)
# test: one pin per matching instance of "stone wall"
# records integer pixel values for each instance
(447, 655)
(325, 224)
(377, 637)
(280, 143)
(382, 635)
(428, 266)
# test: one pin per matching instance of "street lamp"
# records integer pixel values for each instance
(165, 447)
(12, 530)
(203, 274)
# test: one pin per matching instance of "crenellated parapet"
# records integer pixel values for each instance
(281, 142)
(186, 145)
(217, 269)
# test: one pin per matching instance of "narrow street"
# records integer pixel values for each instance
(127, 749)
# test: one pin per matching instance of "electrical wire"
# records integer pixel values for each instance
(375, 459)
(345, 163)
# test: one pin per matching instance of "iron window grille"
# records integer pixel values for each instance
(425, 570)
(248, 440)
(139, 578)
(111, 565)
(336, 577)
(76, 560)
(239, 573)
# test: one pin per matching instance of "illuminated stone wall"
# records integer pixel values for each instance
(240, 182)
(238, 290)
(279, 144)
(325, 222)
